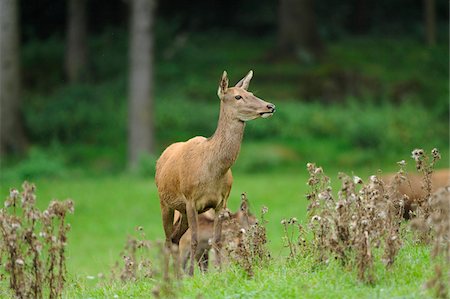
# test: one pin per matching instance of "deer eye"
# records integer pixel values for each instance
(238, 97)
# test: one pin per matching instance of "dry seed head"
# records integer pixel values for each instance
(357, 180)
(19, 262)
(15, 225)
(402, 163)
(264, 210)
(14, 193)
(374, 179)
(339, 205)
(69, 205)
(436, 154)
(324, 195)
(417, 154)
(312, 181)
(316, 218)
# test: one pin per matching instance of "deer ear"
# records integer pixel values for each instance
(244, 203)
(223, 85)
(245, 82)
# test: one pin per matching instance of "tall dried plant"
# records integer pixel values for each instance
(362, 218)
(250, 250)
(437, 225)
(422, 212)
(28, 236)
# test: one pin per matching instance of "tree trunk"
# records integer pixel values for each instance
(140, 108)
(76, 44)
(297, 30)
(360, 16)
(430, 22)
(12, 137)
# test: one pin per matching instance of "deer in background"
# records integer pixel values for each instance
(232, 223)
(413, 187)
(195, 175)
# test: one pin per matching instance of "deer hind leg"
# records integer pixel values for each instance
(181, 226)
(192, 218)
(167, 219)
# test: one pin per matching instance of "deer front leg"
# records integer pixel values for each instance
(193, 225)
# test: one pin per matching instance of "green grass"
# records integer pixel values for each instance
(107, 209)
(283, 278)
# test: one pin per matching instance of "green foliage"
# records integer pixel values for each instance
(256, 156)
(41, 63)
(38, 163)
(146, 165)
(370, 97)
(78, 113)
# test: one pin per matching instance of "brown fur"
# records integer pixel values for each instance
(195, 175)
(412, 187)
(231, 227)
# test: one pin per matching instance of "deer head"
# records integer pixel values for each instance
(240, 103)
(243, 215)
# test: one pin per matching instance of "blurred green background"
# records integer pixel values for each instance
(356, 91)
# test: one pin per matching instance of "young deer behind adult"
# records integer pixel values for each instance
(195, 175)
(232, 224)
(413, 187)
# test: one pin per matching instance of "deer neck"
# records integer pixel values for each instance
(226, 141)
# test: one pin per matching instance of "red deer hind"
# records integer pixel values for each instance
(195, 175)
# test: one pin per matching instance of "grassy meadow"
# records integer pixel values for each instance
(365, 107)
(109, 208)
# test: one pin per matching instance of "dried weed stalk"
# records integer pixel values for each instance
(438, 225)
(363, 217)
(136, 262)
(294, 237)
(423, 208)
(168, 285)
(250, 246)
(29, 235)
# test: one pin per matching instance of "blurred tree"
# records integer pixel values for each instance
(297, 30)
(140, 97)
(11, 131)
(76, 44)
(359, 16)
(430, 22)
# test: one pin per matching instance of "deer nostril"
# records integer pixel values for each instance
(271, 106)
